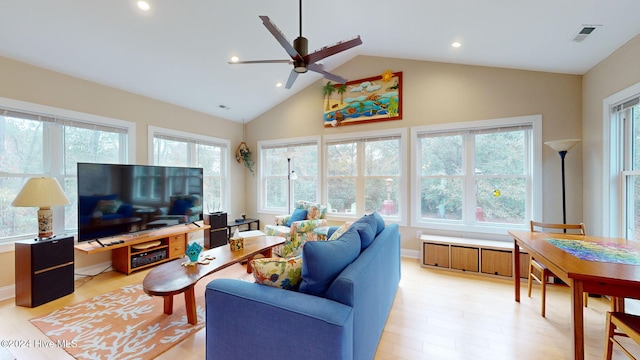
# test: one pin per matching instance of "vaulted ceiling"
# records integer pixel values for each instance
(178, 51)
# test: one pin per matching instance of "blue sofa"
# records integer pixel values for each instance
(246, 320)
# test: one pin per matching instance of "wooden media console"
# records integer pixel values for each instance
(136, 251)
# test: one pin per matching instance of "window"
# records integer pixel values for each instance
(38, 140)
(479, 175)
(363, 174)
(625, 118)
(273, 190)
(176, 148)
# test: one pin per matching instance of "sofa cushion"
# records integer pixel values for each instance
(278, 272)
(379, 222)
(298, 215)
(322, 261)
(366, 227)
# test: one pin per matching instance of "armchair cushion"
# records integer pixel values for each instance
(298, 215)
(278, 272)
(322, 261)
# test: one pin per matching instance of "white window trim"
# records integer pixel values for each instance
(155, 130)
(402, 208)
(284, 142)
(536, 187)
(56, 155)
(612, 195)
(51, 111)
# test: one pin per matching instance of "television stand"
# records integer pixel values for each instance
(132, 252)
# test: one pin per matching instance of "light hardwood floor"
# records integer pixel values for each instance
(436, 315)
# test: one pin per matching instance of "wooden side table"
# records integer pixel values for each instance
(238, 224)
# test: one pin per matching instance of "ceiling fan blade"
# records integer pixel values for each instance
(332, 50)
(273, 29)
(261, 62)
(292, 78)
(320, 69)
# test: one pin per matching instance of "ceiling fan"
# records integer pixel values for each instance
(301, 60)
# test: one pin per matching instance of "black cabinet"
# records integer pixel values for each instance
(44, 270)
(217, 234)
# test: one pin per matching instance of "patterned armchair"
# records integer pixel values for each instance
(300, 231)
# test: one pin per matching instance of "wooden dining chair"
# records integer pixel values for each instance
(627, 325)
(544, 273)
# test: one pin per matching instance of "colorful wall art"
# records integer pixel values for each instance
(377, 98)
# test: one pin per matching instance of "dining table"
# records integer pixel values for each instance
(593, 264)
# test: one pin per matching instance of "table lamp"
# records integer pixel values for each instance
(562, 147)
(44, 193)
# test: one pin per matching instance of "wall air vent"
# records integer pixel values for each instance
(584, 32)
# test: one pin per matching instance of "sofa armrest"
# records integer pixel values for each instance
(245, 319)
(304, 226)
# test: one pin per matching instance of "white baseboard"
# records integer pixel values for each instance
(410, 253)
(7, 292)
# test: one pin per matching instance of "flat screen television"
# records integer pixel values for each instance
(115, 199)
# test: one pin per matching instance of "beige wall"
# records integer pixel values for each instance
(436, 93)
(617, 72)
(24, 82)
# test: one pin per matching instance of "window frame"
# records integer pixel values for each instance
(614, 194)
(262, 207)
(401, 216)
(53, 144)
(534, 180)
(195, 138)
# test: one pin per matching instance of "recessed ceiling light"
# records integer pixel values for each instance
(143, 5)
(279, 84)
(234, 59)
(456, 44)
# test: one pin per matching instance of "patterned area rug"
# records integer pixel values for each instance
(123, 324)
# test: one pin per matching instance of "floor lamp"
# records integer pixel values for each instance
(562, 147)
(291, 175)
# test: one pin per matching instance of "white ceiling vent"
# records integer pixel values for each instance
(584, 32)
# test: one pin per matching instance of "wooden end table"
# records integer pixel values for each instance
(172, 278)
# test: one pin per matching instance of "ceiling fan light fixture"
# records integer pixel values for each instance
(234, 59)
(300, 67)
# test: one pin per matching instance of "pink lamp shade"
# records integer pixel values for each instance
(42, 192)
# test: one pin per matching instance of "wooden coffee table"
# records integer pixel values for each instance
(172, 278)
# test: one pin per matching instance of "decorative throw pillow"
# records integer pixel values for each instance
(341, 230)
(323, 261)
(278, 272)
(366, 227)
(298, 215)
(108, 206)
